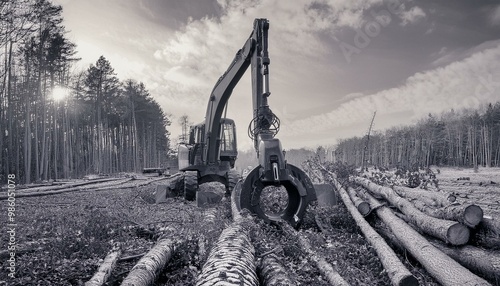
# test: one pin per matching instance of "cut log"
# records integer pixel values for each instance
(325, 268)
(435, 199)
(362, 206)
(449, 231)
(444, 269)
(397, 272)
(66, 190)
(147, 269)
(468, 214)
(487, 233)
(104, 271)
(483, 262)
(273, 273)
(232, 259)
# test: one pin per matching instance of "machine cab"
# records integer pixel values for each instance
(192, 153)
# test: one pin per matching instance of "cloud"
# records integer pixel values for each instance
(468, 83)
(412, 16)
(494, 16)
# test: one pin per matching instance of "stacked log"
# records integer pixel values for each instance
(449, 231)
(397, 272)
(443, 268)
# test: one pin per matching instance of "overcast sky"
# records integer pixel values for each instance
(333, 62)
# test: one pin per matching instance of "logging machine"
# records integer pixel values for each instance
(211, 151)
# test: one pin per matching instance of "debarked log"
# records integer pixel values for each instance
(443, 268)
(449, 231)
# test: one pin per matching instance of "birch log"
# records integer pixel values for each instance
(150, 265)
(104, 271)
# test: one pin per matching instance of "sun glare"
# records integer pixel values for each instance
(59, 93)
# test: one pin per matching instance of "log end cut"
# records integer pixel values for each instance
(408, 281)
(458, 234)
(473, 215)
(364, 208)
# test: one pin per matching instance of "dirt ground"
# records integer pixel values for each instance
(63, 238)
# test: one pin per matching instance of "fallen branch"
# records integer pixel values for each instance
(446, 230)
(325, 268)
(104, 271)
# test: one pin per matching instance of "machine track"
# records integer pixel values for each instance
(232, 179)
(190, 185)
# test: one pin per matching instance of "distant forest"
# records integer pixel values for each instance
(467, 138)
(58, 124)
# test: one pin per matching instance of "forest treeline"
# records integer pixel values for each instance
(467, 138)
(56, 123)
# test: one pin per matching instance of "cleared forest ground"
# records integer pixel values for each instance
(63, 238)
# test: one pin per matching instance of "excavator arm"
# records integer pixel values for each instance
(273, 170)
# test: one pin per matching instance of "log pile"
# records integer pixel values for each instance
(436, 232)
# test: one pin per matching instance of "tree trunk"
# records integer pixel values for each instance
(445, 270)
(448, 231)
(362, 206)
(483, 262)
(273, 273)
(396, 271)
(231, 260)
(436, 199)
(150, 265)
(468, 214)
(105, 269)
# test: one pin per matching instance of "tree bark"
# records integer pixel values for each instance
(273, 273)
(104, 271)
(444, 269)
(362, 206)
(435, 199)
(231, 260)
(397, 272)
(468, 214)
(150, 265)
(448, 231)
